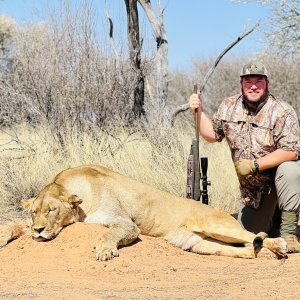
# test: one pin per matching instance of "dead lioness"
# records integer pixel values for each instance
(94, 194)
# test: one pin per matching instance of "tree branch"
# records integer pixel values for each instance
(111, 33)
(184, 107)
(155, 24)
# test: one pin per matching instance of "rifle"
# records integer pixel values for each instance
(193, 170)
(193, 190)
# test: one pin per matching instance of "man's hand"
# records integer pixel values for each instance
(195, 102)
(245, 167)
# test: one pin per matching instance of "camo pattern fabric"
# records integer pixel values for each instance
(274, 125)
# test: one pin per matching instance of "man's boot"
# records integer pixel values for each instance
(288, 230)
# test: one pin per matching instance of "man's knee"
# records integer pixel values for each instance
(287, 179)
(289, 171)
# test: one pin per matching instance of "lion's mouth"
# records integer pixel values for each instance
(40, 239)
(45, 236)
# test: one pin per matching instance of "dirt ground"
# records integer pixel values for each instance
(65, 268)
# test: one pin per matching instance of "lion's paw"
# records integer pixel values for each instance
(266, 253)
(5, 238)
(11, 230)
(8, 233)
(3, 242)
(277, 245)
(106, 253)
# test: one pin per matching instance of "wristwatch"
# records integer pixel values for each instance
(256, 165)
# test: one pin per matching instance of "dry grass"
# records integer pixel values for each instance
(30, 157)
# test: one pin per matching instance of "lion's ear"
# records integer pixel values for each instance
(74, 200)
(27, 203)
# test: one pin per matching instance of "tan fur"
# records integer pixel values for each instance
(94, 194)
(11, 229)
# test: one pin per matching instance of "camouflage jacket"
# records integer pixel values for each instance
(250, 135)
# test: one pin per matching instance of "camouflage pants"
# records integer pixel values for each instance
(285, 193)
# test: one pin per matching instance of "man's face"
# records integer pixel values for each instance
(254, 88)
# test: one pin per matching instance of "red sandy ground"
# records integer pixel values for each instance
(65, 268)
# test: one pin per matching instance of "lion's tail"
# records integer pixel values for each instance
(258, 242)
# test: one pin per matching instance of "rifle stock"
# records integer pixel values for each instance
(196, 179)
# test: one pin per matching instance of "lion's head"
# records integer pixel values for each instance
(52, 210)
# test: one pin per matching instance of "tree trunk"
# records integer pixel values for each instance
(135, 46)
(161, 59)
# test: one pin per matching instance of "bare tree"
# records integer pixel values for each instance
(135, 46)
(160, 71)
(158, 76)
(61, 74)
(283, 27)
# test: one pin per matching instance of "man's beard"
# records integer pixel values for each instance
(254, 104)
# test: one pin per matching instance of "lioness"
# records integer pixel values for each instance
(94, 194)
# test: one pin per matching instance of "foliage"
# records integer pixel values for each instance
(7, 29)
(7, 25)
(283, 26)
(61, 73)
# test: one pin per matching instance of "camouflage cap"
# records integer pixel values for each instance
(254, 68)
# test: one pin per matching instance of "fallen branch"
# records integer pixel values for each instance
(184, 107)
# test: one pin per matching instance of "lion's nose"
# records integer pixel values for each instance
(39, 229)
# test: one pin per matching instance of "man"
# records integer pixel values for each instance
(264, 138)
